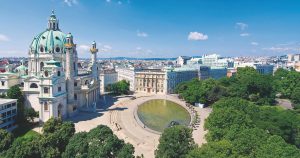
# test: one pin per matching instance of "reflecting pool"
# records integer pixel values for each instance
(159, 113)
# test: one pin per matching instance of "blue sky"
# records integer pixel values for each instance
(158, 28)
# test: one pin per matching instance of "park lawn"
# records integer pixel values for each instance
(25, 131)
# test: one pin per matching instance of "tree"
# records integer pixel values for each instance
(284, 123)
(220, 149)
(6, 140)
(295, 97)
(121, 87)
(99, 142)
(77, 146)
(276, 147)
(286, 81)
(25, 148)
(103, 143)
(15, 92)
(175, 142)
(52, 125)
(30, 114)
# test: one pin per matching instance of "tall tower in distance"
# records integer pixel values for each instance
(94, 51)
(70, 71)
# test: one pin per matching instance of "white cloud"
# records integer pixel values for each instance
(84, 48)
(244, 34)
(241, 26)
(106, 48)
(197, 36)
(3, 38)
(70, 3)
(254, 43)
(141, 52)
(141, 34)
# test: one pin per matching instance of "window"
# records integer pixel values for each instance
(58, 73)
(86, 82)
(33, 85)
(2, 83)
(46, 90)
(46, 108)
(75, 84)
(41, 49)
(57, 49)
(75, 96)
(59, 89)
(41, 65)
(46, 73)
(22, 84)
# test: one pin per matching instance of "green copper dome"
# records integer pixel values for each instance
(50, 41)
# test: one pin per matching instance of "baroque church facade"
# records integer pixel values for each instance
(51, 83)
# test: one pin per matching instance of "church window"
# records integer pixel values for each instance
(2, 83)
(22, 84)
(59, 89)
(58, 73)
(46, 73)
(75, 84)
(75, 96)
(33, 85)
(57, 49)
(41, 49)
(46, 107)
(86, 82)
(74, 65)
(46, 90)
(41, 65)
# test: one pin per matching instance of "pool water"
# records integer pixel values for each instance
(159, 113)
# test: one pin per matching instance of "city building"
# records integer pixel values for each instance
(51, 83)
(182, 60)
(7, 80)
(214, 60)
(294, 61)
(8, 113)
(261, 68)
(203, 72)
(264, 68)
(150, 81)
(217, 72)
(128, 75)
(175, 76)
(107, 76)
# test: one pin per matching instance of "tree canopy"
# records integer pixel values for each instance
(239, 128)
(119, 88)
(175, 142)
(247, 84)
(99, 142)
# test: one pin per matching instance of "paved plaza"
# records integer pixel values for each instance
(118, 113)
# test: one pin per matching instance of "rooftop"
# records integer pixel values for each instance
(4, 101)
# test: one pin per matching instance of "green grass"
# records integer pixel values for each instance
(25, 132)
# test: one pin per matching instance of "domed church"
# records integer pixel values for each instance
(51, 84)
